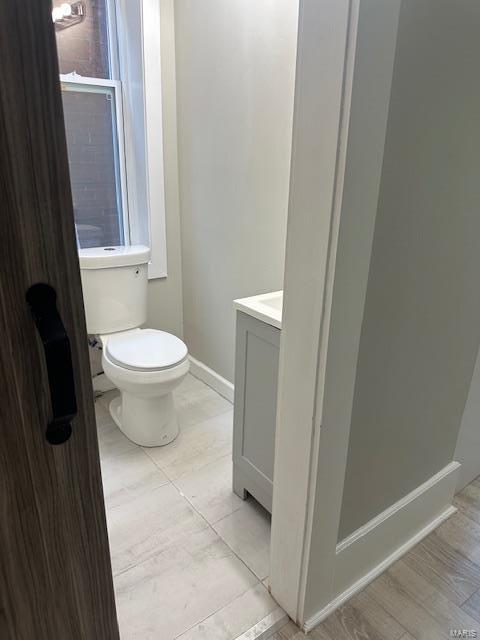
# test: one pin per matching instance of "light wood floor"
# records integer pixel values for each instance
(432, 590)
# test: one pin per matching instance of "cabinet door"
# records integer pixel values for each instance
(256, 373)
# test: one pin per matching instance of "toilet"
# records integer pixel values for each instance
(144, 364)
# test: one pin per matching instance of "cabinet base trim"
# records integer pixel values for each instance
(245, 479)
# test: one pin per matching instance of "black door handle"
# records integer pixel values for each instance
(42, 299)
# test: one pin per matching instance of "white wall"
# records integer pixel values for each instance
(235, 80)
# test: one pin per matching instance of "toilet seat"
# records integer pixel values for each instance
(145, 350)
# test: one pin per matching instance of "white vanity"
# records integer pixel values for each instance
(259, 322)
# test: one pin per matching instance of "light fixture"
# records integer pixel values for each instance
(66, 14)
(66, 9)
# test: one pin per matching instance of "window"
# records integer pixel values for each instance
(96, 171)
(94, 126)
(109, 59)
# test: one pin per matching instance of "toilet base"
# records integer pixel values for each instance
(149, 422)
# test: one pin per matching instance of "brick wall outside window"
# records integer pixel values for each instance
(83, 48)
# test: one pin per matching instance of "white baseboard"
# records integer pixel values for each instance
(212, 378)
(372, 548)
(101, 383)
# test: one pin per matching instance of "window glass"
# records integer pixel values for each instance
(90, 125)
(83, 47)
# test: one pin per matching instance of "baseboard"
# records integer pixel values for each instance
(372, 548)
(101, 383)
(212, 378)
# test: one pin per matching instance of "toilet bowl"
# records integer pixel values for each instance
(144, 364)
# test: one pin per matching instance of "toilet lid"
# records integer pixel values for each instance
(146, 350)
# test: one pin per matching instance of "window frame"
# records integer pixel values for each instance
(137, 40)
(76, 82)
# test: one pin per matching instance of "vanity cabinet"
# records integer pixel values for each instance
(255, 402)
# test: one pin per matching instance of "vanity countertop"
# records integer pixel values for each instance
(266, 307)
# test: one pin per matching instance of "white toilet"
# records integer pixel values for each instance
(145, 364)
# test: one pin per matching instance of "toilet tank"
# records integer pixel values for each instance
(114, 283)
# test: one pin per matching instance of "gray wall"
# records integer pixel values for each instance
(421, 325)
(235, 80)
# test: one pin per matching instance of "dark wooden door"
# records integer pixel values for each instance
(55, 573)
